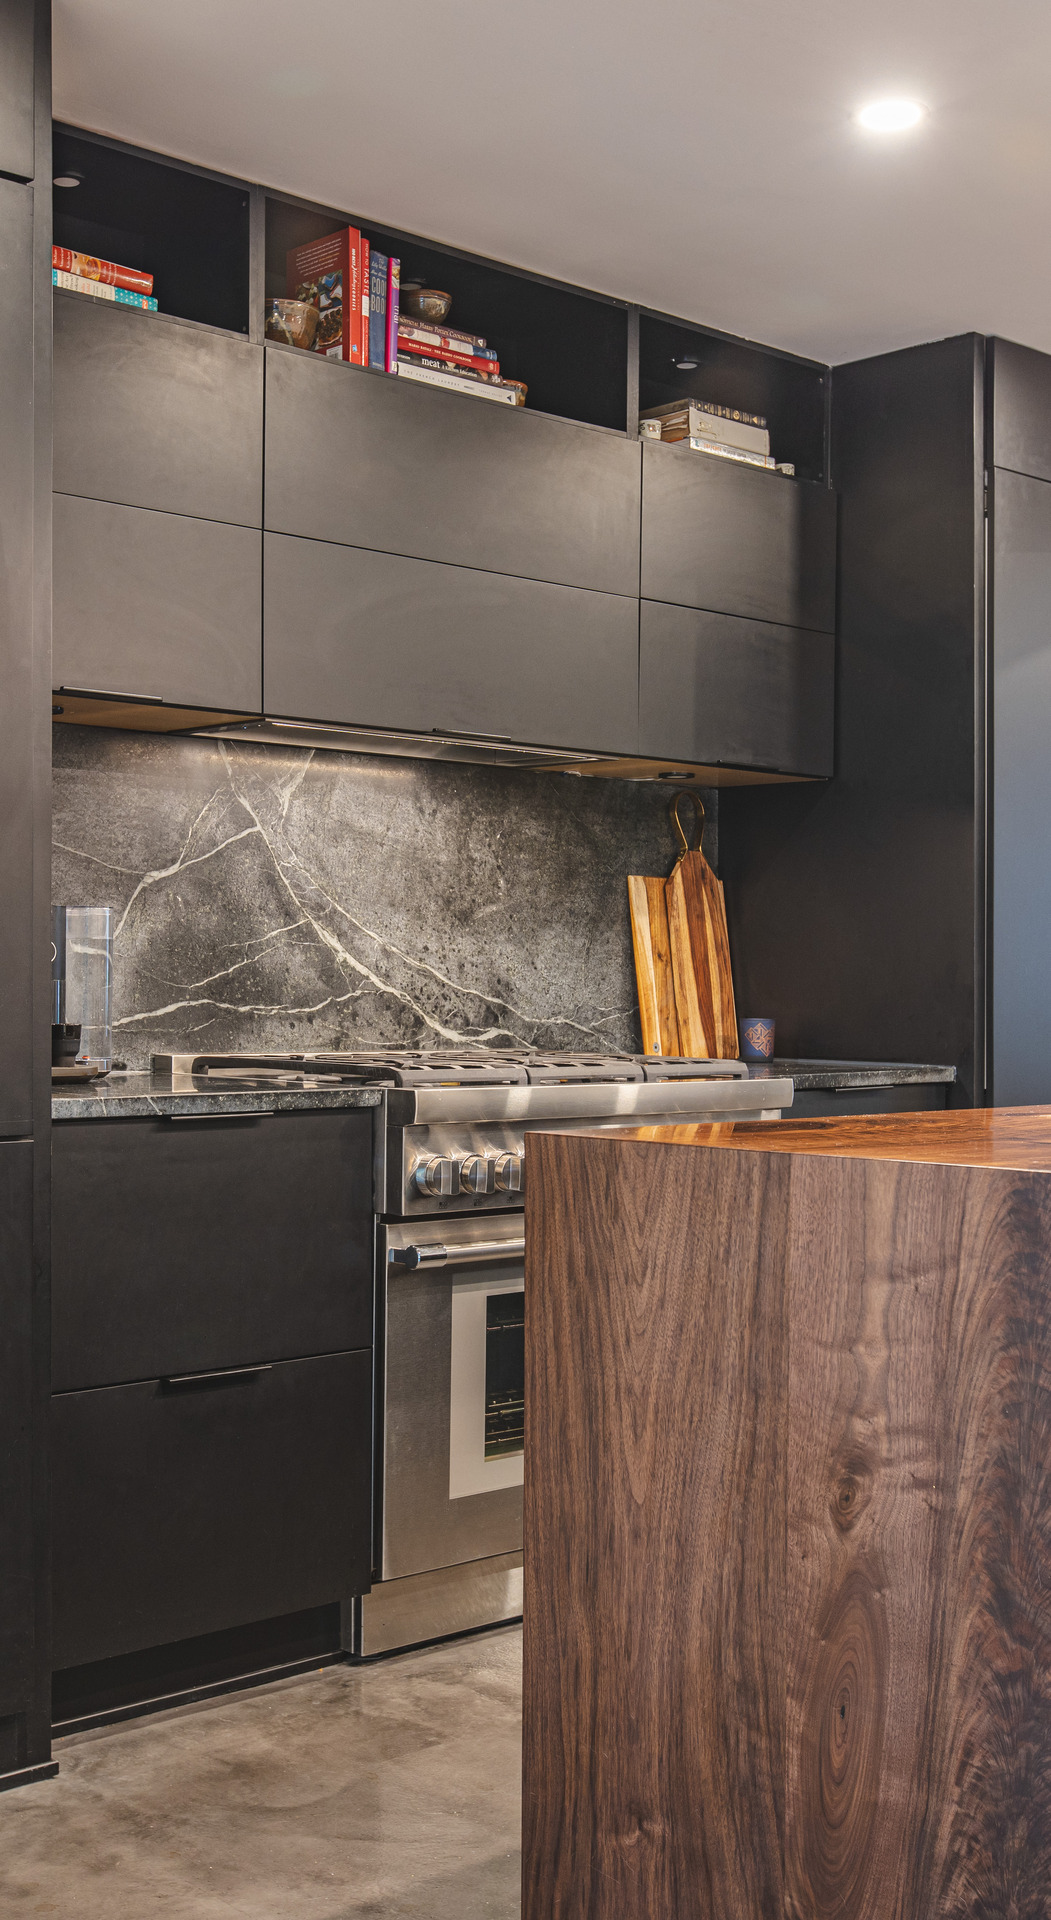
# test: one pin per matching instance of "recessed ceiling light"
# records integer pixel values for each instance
(890, 116)
(67, 179)
(686, 364)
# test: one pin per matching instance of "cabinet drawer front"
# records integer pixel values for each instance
(155, 604)
(403, 468)
(378, 640)
(153, 414)
(179, 1511)
(179, 1246)
(735, 692)
(734, 539)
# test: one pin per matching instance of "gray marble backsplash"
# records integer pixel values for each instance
(282, 899)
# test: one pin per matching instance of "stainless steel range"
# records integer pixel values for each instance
(449, 1173)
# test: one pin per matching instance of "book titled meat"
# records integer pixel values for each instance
(86, 267)
(477, 363)
(328, 273)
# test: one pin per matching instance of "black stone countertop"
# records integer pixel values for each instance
(864, 1074)
(142, 1096)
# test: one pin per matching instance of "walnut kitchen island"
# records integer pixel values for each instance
(788, 1521)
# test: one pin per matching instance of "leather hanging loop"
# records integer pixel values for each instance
(697, 803)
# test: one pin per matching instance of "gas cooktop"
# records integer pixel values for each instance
(440, 1067)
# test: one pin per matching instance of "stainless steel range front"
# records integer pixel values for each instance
(449, 1171)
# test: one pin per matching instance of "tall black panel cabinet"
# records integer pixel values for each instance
(25, 545)
(905, 910)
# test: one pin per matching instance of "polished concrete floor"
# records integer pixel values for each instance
(387, 1790)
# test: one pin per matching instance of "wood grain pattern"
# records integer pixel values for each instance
(700, 956)
(653, 974)
(652, 1368)
(788, 1510)
(971, 1137)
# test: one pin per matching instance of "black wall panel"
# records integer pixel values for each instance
(1020, 753)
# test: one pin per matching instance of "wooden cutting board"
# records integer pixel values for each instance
(700, 950)
(649, 936)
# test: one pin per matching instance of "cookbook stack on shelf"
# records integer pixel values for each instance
(102, 279)
(355, 289)
(445, 357)
(707, 427)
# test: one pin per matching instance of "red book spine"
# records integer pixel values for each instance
(107, 271)
(363, 328)
(434, 355)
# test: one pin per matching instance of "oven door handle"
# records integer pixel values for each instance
(440, 1256)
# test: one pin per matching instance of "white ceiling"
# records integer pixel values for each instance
(697, 156)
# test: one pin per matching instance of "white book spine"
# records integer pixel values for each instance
(74, 283)
(725, 452)
(729, 433)
(480, 388)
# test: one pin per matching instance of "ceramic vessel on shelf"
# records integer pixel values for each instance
(427, 303)
(293, 322)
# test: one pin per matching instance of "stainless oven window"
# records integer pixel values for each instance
(504, 1374)
(486, 1381)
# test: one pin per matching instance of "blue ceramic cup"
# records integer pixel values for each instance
(757, 1037)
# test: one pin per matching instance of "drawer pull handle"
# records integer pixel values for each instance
(253, 1114)
(215, 1374)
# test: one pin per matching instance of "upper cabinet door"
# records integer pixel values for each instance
(156, 606)
(151, 413)
(378, 640)
(1021, 410)
(720, 691)
(17, 68)
(400, 467)
(737, 539)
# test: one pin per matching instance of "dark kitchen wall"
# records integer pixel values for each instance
(275, 898)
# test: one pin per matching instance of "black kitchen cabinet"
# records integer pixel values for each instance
(1020, 874)
(384, 641)
(185, 1508)
(18, 1483)
(716, 689)
(736, 539)
(840, 1103)
(152, 413)
(225, 1241)
(1018, 404)
(156, 605)
(17, 76)
(16, 656)
(403, 468)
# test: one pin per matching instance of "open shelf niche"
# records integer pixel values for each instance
(189, 230)
(790, 392)
(570, 347)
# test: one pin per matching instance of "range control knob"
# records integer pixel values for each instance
(436, 1177)
(509, 1173)
(476, 1174)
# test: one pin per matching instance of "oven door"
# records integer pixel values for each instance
(450, 1453)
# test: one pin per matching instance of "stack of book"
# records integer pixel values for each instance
(727, 432)
(355, 288)
(445, 357)
(103, 279)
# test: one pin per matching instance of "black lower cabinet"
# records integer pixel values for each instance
(229, 1240)
(819, 1103)
(718, 690)
(185, 1507)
